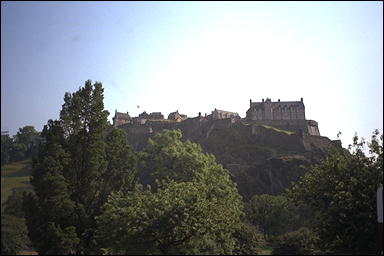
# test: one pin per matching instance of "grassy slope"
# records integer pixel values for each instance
(15, 176)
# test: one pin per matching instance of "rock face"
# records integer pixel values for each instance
(261, 159)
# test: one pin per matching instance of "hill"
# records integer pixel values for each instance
(262, 159)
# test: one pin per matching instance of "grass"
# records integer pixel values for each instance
(266, 251)
(15, 176)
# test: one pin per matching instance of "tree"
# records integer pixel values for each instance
(68, 174)
(249, 240)
(194, 207)
(121, 172)
(52, 209)
(13, 235)
(23, 145)
(272, 214)
(342, 190)
(28, 137)
(6, 144)
(300, 242)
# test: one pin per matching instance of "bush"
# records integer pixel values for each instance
(14, 204)
(14, 236)
(249, 240)
(299, 242)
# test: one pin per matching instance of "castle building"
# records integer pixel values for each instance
(221, 114)
(155, 115)
(175, 116)
(280, 110)
(285, 115)
(121, 118)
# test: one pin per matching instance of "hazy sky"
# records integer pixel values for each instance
(195, 56)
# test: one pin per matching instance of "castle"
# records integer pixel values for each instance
(287, 115)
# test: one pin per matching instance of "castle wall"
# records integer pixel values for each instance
(118, 122)
(268, 110)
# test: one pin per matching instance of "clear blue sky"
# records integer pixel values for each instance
(195, 56)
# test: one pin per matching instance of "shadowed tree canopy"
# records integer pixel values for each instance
(195, 207)
(342, 191)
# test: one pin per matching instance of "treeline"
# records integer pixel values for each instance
(21, 146)
(95, 195)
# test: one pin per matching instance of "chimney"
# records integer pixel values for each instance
(250, 102)
(262, 100)
(278, 100)
(115, 111)
(301, 99)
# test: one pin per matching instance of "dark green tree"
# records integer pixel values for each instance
(342, 192)
(194, 208)
(18, 151)
(121, 172)
(51, 209)
(272, 214)
(68, 174)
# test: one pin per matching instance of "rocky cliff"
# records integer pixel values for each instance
(260, 158)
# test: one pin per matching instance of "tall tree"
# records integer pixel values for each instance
(342, 192)
(51, 209)
(67, 175)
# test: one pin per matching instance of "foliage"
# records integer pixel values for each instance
(29, 138)
(68, 176)
(166, 157)
(194, 209)
(121, 172)
(13, 234)
(249, 240)
(299, 242)
(342, 192)
(23, 145)
(14, 204)
(273, 214)
(6, 143)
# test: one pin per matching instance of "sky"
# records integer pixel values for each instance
(194, 57)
